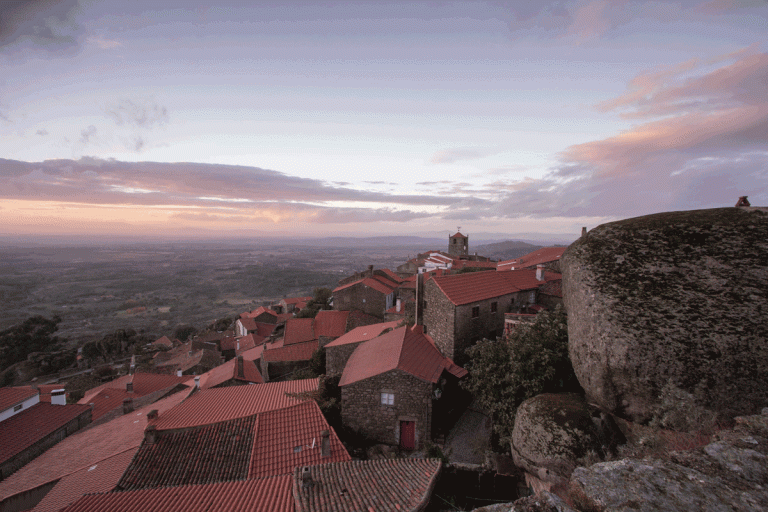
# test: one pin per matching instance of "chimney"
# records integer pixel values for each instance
(742, 201)
(238, 346)
(398, 305)
(306, 478)
(150, 434)
(127, 405)
(240, 369)
(58, 397)
(129, 387)
(325, 443)
(152, 415)
(539, 272)
(197, 382)
(370, 270)
(178, 373)
(132, 369)
(584, 232)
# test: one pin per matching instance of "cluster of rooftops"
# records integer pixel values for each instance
(232, 437)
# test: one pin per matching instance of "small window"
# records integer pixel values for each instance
(424, 327)
(532, 297)
(17, 408)
(387, 399)
(475, 311)
(494, 307)
(424, 305)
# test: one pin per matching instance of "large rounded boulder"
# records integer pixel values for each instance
(553, 433)
(672, 304)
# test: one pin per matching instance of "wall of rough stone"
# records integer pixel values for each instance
(362, 298)
(336, 358)
(438, 318)
(672, 299)
(362, 411)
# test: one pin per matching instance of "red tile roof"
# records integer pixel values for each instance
(380, 287)
(218, 375)
(107, 400)
(46, 390)
(460, 264)
(554, 288)
(294, 352)
(261, 310)
(102, 476)
(247, 371)
(86, 448)
(458, 235)
(394, 277)
(290, 437)
(540, 256)
(406, 349)
(29, 426)
(10, 397)
(164, 342)
(386, 282)
(222, 404)
(389, 484)
(475, 286)
(299, 330)
(202, 455)
(262, 495)
(364, 333)
(143, 384)
(331, 323)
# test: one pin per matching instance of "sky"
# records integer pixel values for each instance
(244, 119)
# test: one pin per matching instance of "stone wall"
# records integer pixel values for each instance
(362, 411)
(362, 298)
(454, 329)
(336, 358)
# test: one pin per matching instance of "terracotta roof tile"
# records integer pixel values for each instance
(380, 287)
(294, 352)
(102, 476)
(290, 437)
(363, 485)
(475, 286)
(554, 288)
(261, 310)
(164, 342)
(85, 448)
(46, 390)
(143, 384)
(331, 323)
(10, 397)
(247, 371)
(299, 330)
(364, 333)
(262, 495)
(29, 426)
(458, 235)
(394, 277)
(202, 455)
(539, 256)
(406, 349)
(223, 404)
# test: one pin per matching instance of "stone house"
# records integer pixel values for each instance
(458, 245)
(338, 351)
(396, 387)
(461, 309)
(371, 295)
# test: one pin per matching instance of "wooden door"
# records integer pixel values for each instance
(407, 435)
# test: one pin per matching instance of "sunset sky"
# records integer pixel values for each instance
(223, 119)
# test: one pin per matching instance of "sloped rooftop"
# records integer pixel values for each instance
(389, 484)
(10, 397)
(299, 330)
(263, 495)
(364, 333)
(537, 257)
(406, 349)
(476, 286)
(86, 448)
(295, 352)
(379, 286)
(223, 404)
(99, 477)
(112, 393)
(29, 426)
(331, 323)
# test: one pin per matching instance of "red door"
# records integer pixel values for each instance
(407, 435)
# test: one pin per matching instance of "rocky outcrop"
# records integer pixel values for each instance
(730, 473)
(674, 300)
(553, 432)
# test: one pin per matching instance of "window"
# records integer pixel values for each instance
(532, 297)
(387, 399)
(494, 307)
(475, 311)
(424, 305)
(17, 408)
(424, 327)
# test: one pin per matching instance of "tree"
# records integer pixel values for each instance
(35, 334)
(533, 360)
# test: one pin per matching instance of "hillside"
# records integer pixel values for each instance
(505, 250)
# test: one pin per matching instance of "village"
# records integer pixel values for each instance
(364, 397)
(231, 413)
